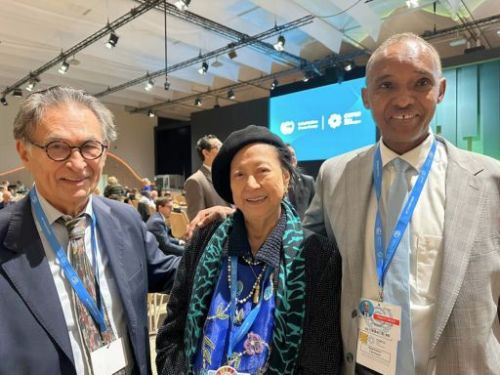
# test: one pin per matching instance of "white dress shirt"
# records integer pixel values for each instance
(109, 292)
(426, 235)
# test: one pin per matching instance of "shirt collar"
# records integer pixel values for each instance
(208, 167)
(53, 213)
(270, 250)
(415, 157)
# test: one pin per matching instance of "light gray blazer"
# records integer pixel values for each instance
(466, 329)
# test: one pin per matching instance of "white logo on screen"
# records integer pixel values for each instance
(350, 118)
(335, 120)
(287, 127)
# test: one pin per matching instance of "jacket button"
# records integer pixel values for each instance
(349, 357)
(354, 313)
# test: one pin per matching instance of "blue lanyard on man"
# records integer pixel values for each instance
(384, 259)
(250, 319)
(95, 310)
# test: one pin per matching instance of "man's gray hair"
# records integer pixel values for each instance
(404, 37)
(34, 107)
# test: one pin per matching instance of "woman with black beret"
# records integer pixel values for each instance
(251, 295)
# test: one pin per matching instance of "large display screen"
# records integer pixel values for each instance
(323, 122)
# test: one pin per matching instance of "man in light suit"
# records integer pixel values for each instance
(156, 224)
(62, 136)
(200, 192)
(454, 230)
(301, 192)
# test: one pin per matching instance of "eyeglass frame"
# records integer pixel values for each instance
(71, 148)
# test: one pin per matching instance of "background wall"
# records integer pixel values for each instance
(469, 115)
(135, 146)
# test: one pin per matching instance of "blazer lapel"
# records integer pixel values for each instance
(109, 230)
(464, 199)
(27, 268)
(357, 191)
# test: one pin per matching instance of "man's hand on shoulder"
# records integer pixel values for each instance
(207, 216)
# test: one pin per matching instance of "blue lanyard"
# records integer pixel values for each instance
(94, 309)
(252, 315)
(383, 262)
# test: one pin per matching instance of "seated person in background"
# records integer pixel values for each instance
(146, 185)
(250, 292)
(6, 199)
(146, 206)
(156, 224)
(301, 192)
(114, 188)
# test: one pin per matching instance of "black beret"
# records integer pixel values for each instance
(238, 139)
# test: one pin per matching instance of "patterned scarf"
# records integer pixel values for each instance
(290, 307)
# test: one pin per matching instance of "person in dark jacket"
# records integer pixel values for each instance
(156, 224)
(302, 191)
(251, 294)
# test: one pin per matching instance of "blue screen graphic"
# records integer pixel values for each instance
(323, 122)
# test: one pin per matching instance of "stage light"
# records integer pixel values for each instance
(166, 84)
(182, 4)
(17, 93)
(3, 101)
(458, 42)
(64, 67)
(151, 113)
(348, 66)
(217, 63)
(280, 44)
(307, 76)
(230, 94)
(112, 41)
(31, 84)
(203, 68)
(197, 102)
(149, 85)
(274, 84)
(232, 54)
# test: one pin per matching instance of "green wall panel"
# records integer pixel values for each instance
(489, 109)
(445, 118)
(467, 106)
(469, 115)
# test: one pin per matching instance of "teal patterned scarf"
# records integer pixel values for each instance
(290, 307)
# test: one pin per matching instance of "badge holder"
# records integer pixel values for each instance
(379, 335)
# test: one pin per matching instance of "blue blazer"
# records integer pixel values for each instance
(33, 334)
(157, 226)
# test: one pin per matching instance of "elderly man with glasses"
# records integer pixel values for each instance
(75, 269)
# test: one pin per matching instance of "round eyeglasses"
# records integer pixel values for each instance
(60, 150)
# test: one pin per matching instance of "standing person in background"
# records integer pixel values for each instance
(445, 272)
(200, 192)
(301, 192)
(157, 225)
(75, 269)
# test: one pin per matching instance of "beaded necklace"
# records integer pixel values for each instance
(255, 290)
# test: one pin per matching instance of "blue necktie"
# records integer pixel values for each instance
(396, 284)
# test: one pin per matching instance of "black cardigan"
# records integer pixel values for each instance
(321, 348)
